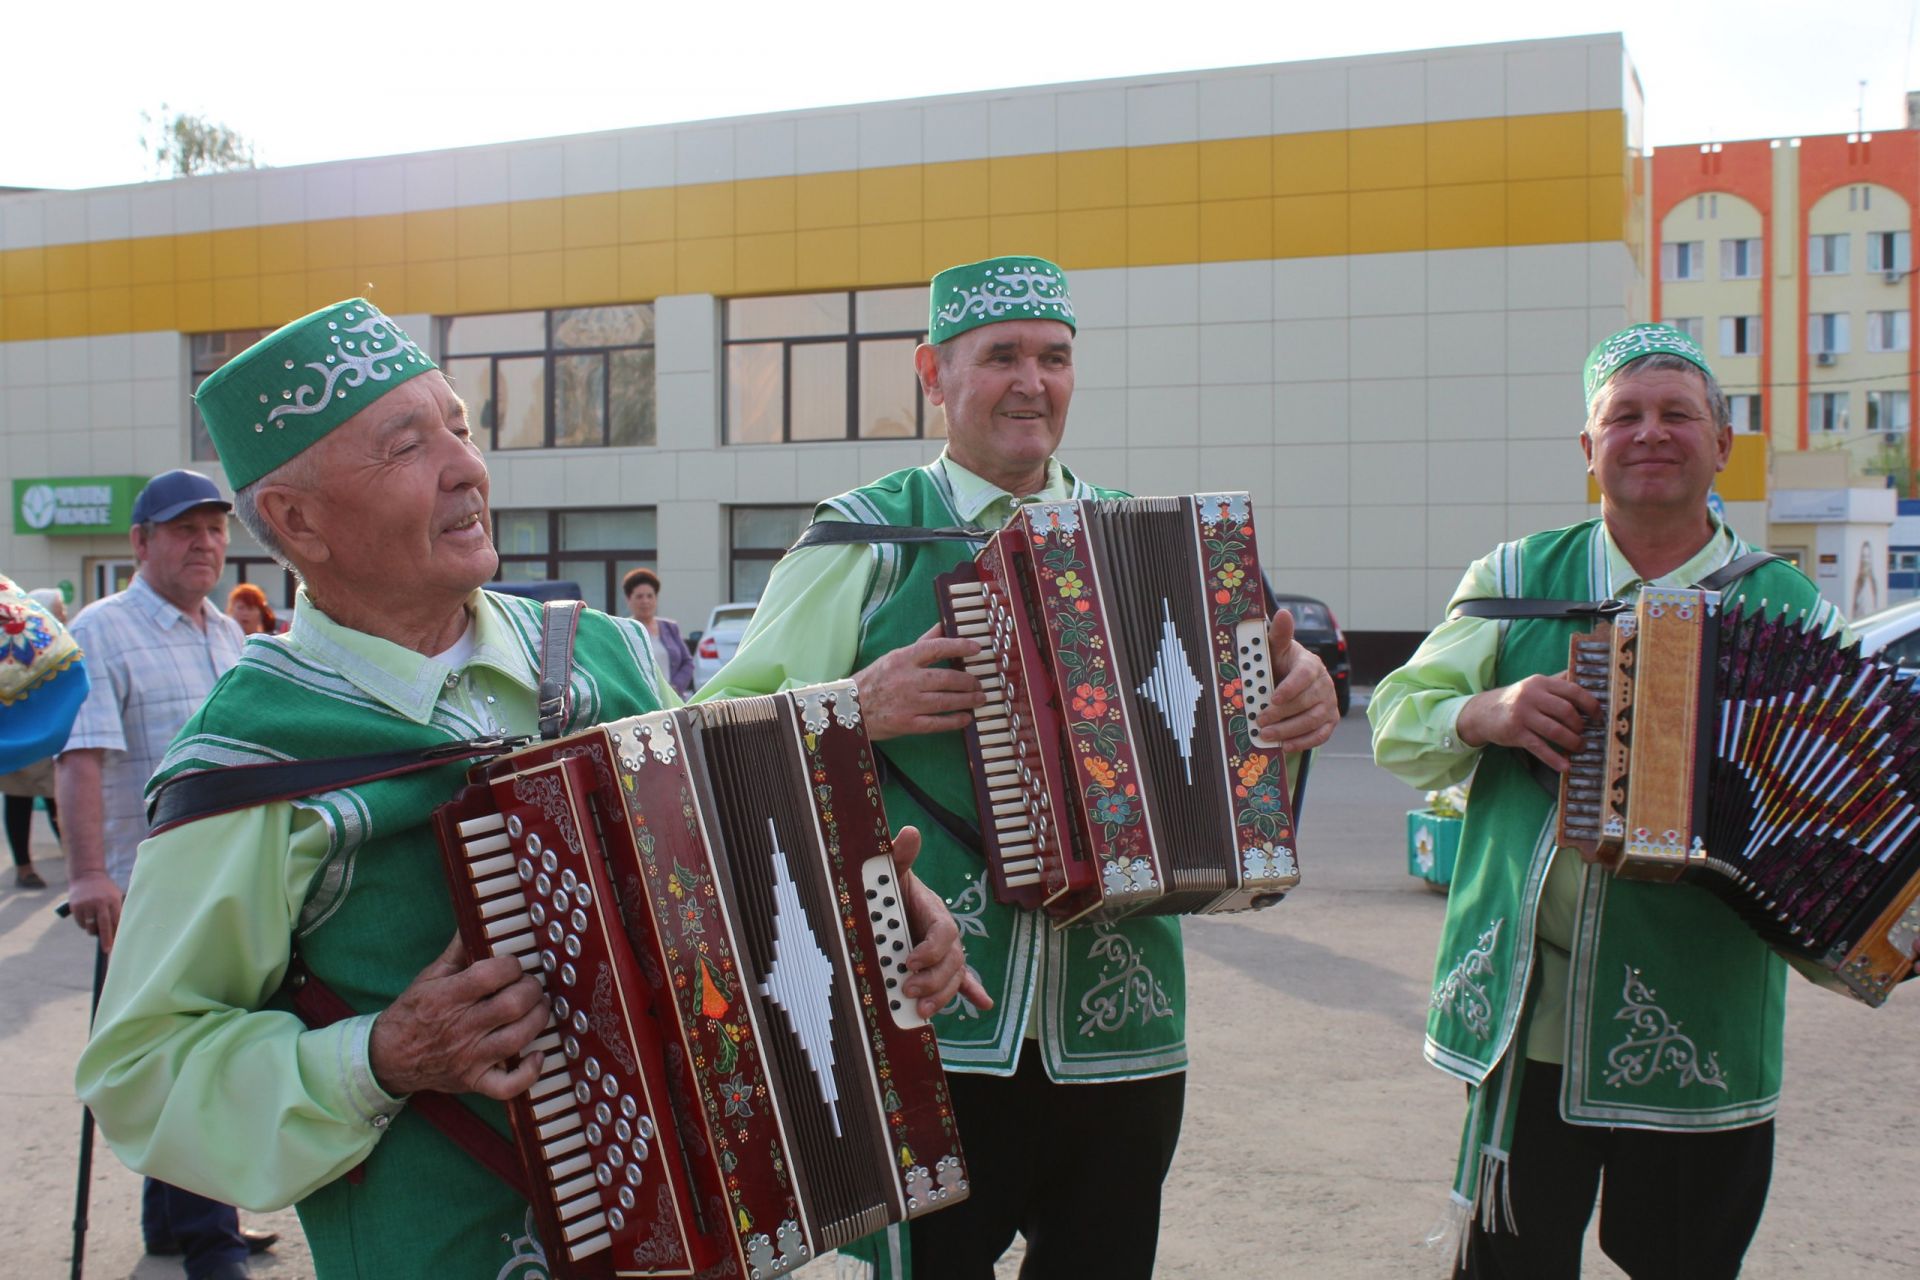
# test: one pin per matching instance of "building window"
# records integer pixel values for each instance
(593, 547)
(1889, 251)
(1683, 260)
(205, 353)
(1827, 333)
(555, 379)
(1827, 411)
(760, 536)
(1689, 325)
(1740, 259)
(1745, 413)
(1739, 335)
(1887, 411)
(827, 366)
(1888, 330)
(1827, 255)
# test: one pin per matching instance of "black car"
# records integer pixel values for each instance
(1315, 627)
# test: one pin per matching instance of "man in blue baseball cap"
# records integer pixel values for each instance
(154, 652)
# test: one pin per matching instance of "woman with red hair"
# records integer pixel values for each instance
(247, 605)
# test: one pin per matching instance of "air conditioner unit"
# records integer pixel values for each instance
(1893, 277)
(1823, 359)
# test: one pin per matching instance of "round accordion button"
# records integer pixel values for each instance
(573, 945)
(633, 1175)
(603, 1174)
(543, 884)
(621, 1129)
(579, 920)
(548, 960)
(604, 1114)
(629, 1108)
(567, 975)
(525, 868)
(580, 1022)
(549, 861)
(515, 827)
(582, 896)
(596, 1135)
(616, 1156)
(535, 845)
(644, 1126)
(555, 932)
(610, 1087)
(536, 913)
(592, 1068)
(640, 1149)
(583, 1093)
(561, 1008)
(616, 1219)
(567, 880)
(626, 1197)
(571, 1047)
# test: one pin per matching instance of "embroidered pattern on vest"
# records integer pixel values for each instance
(1459, 995)
(1127, 987)
(1654, 1044)
(527, 1253)
(966, 911)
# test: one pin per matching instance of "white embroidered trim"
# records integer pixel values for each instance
(1459, 995)
(1654, 1044)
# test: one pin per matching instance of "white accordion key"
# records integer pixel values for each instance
(887, 912)
(1256, 673)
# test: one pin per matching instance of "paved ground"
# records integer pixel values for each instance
(1317, 1143)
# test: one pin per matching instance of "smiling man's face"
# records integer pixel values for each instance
(1652, 443)
(402, 498)
(1005, 389)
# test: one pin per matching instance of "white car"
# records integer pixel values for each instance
(1893, 636)
(720, 641)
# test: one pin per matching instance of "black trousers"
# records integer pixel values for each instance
(1678, 1205)
(19, 819)
(1075, 1168)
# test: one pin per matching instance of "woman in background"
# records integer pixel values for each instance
(642, 590)
(247, 605)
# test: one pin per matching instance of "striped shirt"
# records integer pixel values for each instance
(151, 669)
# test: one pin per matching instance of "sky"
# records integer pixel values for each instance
(309, 83)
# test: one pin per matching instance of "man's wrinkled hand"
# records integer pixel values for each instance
(94, 901)
(906, 691)
(1305, 709)
(459, 1028)
(938, 962)
(1545, 716)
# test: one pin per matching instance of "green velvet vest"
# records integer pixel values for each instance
(1674, 1008)
(1111, 997)
(376, 914)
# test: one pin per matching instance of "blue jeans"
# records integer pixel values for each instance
(206, 1230)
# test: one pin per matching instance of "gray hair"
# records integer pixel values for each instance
(296, 472)
(1666, 362)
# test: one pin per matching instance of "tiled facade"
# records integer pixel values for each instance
(1360, 288)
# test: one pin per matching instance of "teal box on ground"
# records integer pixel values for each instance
(1432, 841)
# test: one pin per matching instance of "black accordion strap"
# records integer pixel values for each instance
(956, 828)
(1734, 570)
(1535, 607)
(559, 623)
(836, 533)
(211, 792)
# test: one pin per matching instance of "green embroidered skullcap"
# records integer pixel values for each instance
(1630, 344)
(283, 393)
(1016, 287)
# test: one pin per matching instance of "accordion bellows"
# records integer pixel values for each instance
(1743, 751)
(733, 1080)
(1116, 771)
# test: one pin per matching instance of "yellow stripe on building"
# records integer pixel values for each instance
(1518, 180)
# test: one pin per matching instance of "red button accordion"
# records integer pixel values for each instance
(1115, 765)
(733, 1080)
(1739, 750)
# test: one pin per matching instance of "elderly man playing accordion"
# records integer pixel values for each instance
(1069, 1108)
(352, 461)
(1555, 978)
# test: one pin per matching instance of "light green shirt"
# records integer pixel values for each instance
(807, 626)
(1415, 713)
(199, 1071)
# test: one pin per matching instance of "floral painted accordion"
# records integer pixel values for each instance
(1124, 660)
(733, 1081)
(1745, 752)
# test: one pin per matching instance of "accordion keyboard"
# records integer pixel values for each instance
(997, 724)
(1583, 792)
(592, 1133)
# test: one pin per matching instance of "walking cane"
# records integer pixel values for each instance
(83, 1192)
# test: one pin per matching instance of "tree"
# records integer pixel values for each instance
(182, 145)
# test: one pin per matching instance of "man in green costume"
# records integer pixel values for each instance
(351, 461)
(1601, 1025)
(1069, 1086)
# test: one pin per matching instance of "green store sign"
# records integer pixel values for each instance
(65, 505)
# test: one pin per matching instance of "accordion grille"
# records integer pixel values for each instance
(1157, 616)
(785, 907)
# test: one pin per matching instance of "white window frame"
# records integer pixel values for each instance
(1683, 260)
(1830, 253)
(1827, 333)
(1689, 325)
(1889, 412)
(1889, 330)
(1744, 412)
(1740, 335)
(1889, 251)
(1740, 258)
(1827, 412)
